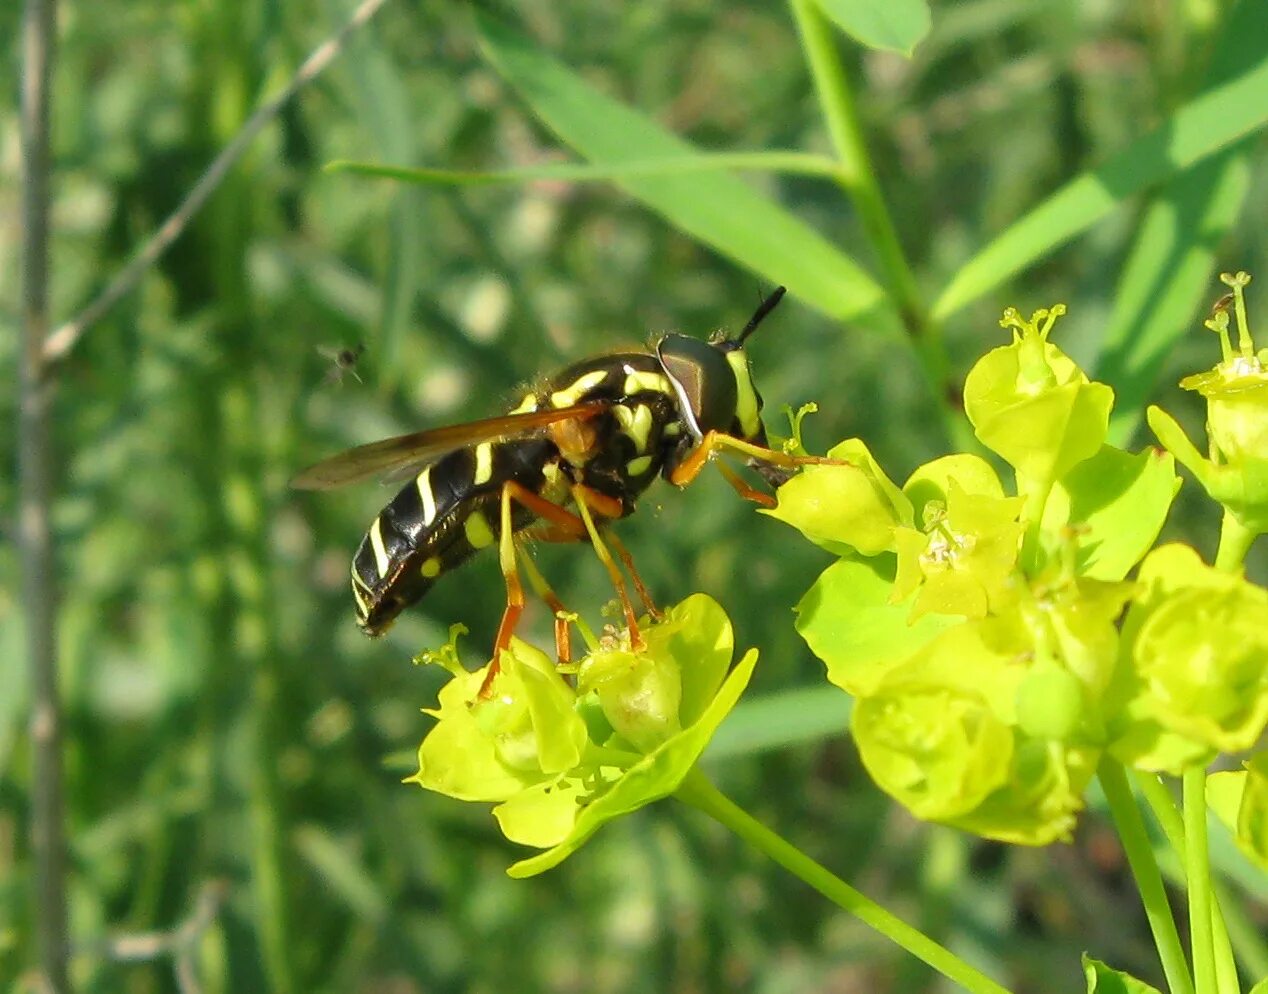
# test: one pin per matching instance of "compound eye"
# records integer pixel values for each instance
(703, 381)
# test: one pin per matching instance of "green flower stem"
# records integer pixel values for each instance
(1235, 541)
(1140, 856)
(1163, 805)
(857, 177)
(1197, 870)
(1246, 935)
(697, 791)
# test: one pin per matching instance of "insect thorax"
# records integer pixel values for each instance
(620, 451)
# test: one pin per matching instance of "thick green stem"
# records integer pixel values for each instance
(1140, 856)
(1197, 871)
(697, 791)
(1235, 542)
(857, 176)
(1168, 816)
(35, 497)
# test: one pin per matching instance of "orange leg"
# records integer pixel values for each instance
(565, 526)
(514, 593)
(624, 554)
(743, 489)
(716, 441)
(571, 527)
(563, 640)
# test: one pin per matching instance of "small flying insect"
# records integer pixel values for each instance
(343, 362)
(573, 456)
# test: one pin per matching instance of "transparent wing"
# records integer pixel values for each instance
(393, 456)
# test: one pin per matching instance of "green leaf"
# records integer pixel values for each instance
(542, 815)
(1168, 274)
(382, 104)
(720, 210)
(893, 25)
(559, 731)
(457, 757)
(1210, 122)
(1103, 979)
(781, 719)
(1261, 987)
(1166, 278)
(795, 163)
(656, 775)
(339, 866)
(845, 507)
(1116, 503)
(848, 622)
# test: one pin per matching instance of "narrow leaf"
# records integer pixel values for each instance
(1170, 269)
(1205, 125)
(720, 210)
(1166, 277)
(781, 719)
(796, 163)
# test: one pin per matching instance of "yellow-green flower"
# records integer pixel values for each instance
(1236, 392)
(563, 760)
(962, 562)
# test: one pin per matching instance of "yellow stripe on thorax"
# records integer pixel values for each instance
(526, 406)
(581, 385)
(640, 381)
(636, 422)
(639, 466)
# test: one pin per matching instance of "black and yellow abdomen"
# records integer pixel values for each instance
(447, 513)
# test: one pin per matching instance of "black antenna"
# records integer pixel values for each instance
(763, 309)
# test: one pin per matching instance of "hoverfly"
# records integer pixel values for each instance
(574, 454)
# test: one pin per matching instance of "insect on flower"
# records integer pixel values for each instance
(573, 456)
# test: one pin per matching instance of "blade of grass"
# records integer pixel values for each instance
(719, 210)
(1170, 268)
(1167, 274)
(779, 720)
(796, 163)
(858, 179)
(1205, 125)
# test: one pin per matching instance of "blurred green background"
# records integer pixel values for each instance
(226, 723)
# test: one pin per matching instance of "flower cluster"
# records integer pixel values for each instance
(991, 636)
(561, 754)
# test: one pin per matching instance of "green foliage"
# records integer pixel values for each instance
(1104, 979)
(225, 724)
